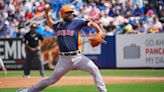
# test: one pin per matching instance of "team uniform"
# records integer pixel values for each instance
(68, 34)
(32, 40)
(70, 58)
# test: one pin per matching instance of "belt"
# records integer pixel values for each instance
(71, 53)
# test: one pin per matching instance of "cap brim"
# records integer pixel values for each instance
(67, 11)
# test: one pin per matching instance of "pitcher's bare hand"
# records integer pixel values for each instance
(47, 8)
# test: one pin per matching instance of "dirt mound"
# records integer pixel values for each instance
(85, 80)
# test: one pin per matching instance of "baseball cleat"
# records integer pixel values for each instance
(26, 76)
(22, 90)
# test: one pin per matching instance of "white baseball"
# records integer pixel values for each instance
(47, 6)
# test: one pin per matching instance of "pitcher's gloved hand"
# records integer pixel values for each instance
(97, 39)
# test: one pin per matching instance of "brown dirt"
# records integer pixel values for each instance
(85, 80)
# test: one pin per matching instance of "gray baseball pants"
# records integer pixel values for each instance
(67, 63)
(36, 57)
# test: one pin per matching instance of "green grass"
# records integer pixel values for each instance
(131, 87)
(157, 73)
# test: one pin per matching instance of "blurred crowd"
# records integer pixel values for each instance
(114, 16)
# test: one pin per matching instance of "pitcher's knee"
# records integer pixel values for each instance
(94, 70)
(51, 80)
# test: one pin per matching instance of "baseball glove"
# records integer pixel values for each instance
(97, 39)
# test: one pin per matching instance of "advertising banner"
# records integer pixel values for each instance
(12, 53)
(140, 50)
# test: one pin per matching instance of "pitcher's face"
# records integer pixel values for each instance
(68, 16)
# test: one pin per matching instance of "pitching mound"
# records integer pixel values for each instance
(85, 80)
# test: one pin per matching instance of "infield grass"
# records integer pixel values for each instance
(148, 73)
(130, 87)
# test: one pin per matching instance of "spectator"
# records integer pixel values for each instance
(101, 5)
(149, 17)
(22, 25)
(107, 8)
(56, 6)
(76, 3)
(138, 11)
(118, 5)
(94, 13)
(28, 15)
(111, 29)
(136, 26)
(118, 19)
(128, 9)
(161, 15)
(105, 20)
(134, 2)
(111, 11)
(128, 28)
(122, 9)
(142, 28)
(3, 14)
(5, 31)
(23, 12)
(156, 27)
(38, 12)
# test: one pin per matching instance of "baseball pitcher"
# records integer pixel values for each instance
(67, 31)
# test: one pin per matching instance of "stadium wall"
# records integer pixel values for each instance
(121, 51)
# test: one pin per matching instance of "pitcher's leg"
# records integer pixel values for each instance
(87, 65)
(61, 68)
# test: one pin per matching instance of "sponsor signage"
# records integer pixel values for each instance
(12, 52)
(140, 50)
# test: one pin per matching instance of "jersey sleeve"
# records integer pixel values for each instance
(82, 22)
(55, 26)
